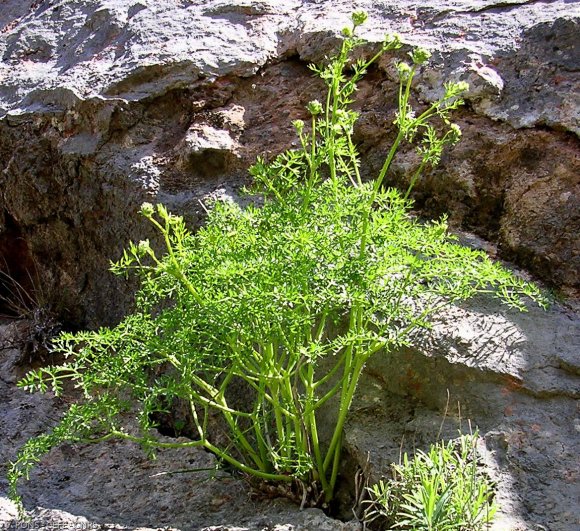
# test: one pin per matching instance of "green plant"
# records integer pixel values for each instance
(439, 490)
(281, 304)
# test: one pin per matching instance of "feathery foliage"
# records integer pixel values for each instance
(330, 267)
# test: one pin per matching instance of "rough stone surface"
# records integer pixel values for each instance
(514, 376)
(105, 104)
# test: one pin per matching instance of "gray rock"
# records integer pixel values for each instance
(101, 101)
(136, 50)
(500, 371)
(105, 104)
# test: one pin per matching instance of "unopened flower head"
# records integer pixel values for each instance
(420, 55)
(298, 125)
(392, 41)
(144, 246)
(147, 209)
(359, 18)
(453, 89)
(404, 70)
(455, 132)
(314, 107)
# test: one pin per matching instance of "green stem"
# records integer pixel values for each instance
(354, 160)
(415, 178)
(404, 126)
(178, 274)
(386, 165)
(259, 413)
(310, 416)
(338, 66)
(313, 165)
(334, 446)
(376, 188)
(345, 380)
(154, 442)
(218, 401)
(297, 418)
(245, 468)
(329, 394)
(214, 449)
(276, 406)
(332, 371)
(329, 494)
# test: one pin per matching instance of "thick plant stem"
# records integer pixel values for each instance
(259, 407)
(222, 455)
(335, 467)
(344, 398)
(219, 402)
(335, 447)
(300, 431)
(310, 416)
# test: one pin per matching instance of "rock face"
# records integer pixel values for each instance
(515, 376)
(105, 104)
